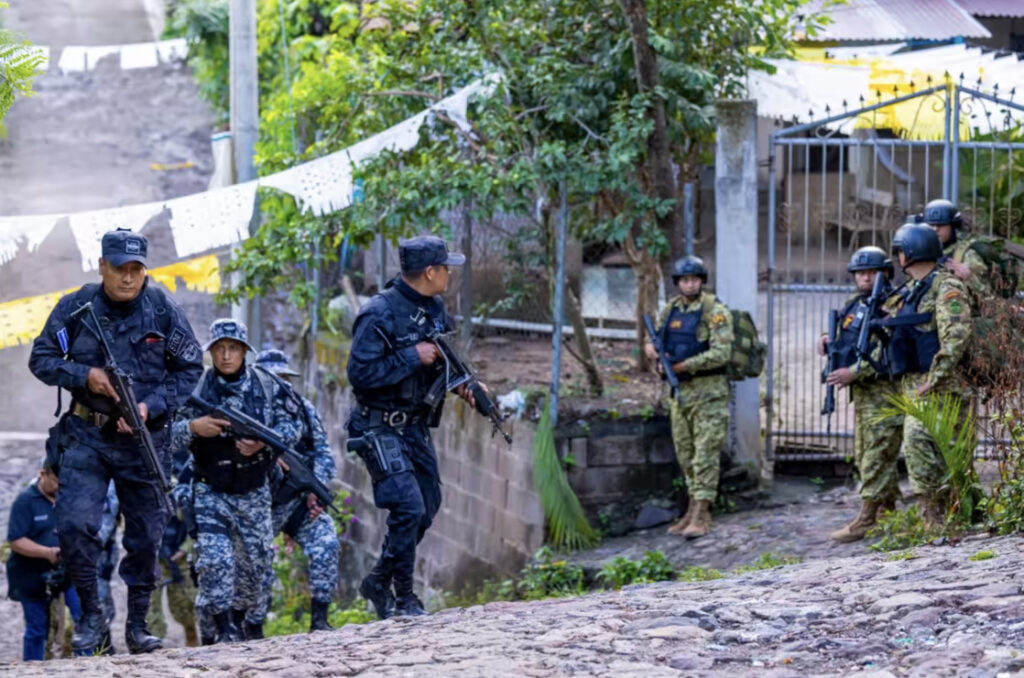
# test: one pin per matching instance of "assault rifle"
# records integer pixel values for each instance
(457, 373)
(299, 476)
(127, 405)
(873, 304)
(670, 374)
(830, 365)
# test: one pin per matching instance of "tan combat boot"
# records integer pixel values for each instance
(857, 530)
(682, 523)
(700, 524)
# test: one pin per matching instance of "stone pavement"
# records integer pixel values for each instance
(940, 614)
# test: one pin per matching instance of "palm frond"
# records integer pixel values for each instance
(567, 525)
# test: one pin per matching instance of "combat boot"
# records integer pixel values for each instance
(684, 522)
(376, 588)
(92, 626)
(886, 506)
(253, 631)
(409, 605)
(931, 514)
(318, 618)
(191, 637)
(227, 632)
(700, 524)
(136, 634)
(858, 529)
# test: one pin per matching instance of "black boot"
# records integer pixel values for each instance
(253, 631)
(318, 619)
(376, 588)
(136, 633)
(92, 626)
(227, 632)
(406, 602)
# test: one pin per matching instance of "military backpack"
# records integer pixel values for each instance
(1003, 264)
(747, 354)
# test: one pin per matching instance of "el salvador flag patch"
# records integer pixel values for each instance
(62, 337)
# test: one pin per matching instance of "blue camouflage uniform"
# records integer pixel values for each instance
(231, 493)
(151, 339)
(390, 386)
(317, 537)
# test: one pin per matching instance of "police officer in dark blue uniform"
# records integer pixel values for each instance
(152, 340)
(392, 367)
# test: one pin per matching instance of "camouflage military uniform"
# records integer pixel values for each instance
(876, 439)
(700, 424)
(978, 285)
(949, 300)
(234, 523)
(318, 538)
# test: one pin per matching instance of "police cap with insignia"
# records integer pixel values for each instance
(273, 360)
(121, 246)
(418, 253)
(228, 328)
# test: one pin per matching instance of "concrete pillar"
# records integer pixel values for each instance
(736, 243)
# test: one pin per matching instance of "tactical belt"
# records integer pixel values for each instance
(686, 376)
(88, 415)
(392, 418)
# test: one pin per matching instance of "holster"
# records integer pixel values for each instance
(382, 452)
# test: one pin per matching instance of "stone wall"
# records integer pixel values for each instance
(618, 466)
(490, 520)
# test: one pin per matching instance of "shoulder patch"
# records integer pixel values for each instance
(176, 342)
(62, 339)
(191, 352)
(956, 308)
(717, 320)
(952, 295)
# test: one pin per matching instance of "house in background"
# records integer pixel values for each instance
(1004, 19)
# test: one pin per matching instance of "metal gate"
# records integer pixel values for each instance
(852, 179)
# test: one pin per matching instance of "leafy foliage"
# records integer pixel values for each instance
(767, 561)
(622, 571)
(954, 432)
(567, 525)
(204, 25)
(549, 577)
(900, 530)
(697, 573)
(982, 555)
(18, 65)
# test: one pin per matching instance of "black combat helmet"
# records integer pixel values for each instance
(941, 213)
(870, 259)
(690, 265)
(917, 242)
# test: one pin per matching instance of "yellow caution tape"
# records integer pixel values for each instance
(21, 320)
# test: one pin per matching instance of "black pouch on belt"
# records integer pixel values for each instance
(382, 453)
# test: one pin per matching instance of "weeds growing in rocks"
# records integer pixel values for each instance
(983, 555)
(622, 571)
(767, 561)
(900, 530)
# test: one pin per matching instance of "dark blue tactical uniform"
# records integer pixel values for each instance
(231, 493)
(151, 339)
(390, 386)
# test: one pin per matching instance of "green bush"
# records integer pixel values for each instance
(697, 573)
(622, 571)
(296, 619)
(899, 530)
(549, 578)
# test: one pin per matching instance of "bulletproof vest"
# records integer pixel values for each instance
(911, 350)
(411, 324)
(137, 334)
(218, 463)
(681, 335)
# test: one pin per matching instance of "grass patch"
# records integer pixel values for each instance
(983, 555)
(767, 561)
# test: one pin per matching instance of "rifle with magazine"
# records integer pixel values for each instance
(829, 405)
(298, 477)
(670, 374)
(127, 405)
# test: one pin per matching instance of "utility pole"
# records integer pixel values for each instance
(245, 119)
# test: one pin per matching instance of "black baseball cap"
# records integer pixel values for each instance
(122, 246)
(422, 251)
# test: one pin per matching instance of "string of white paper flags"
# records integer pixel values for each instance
(221, 217)
(82, 58)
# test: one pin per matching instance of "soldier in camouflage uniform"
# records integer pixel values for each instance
(958, 253)
(697, 334)
(876, 438)
(302, 518)
(231, 490)
(930, 330)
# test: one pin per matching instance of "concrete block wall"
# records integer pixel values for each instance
(490, 520)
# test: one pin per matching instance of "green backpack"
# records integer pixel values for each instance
(747, 357)
(1003, 264)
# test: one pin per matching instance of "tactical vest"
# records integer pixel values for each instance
(218, 463)
(681, 335)
(137, 334)
(412, 324)
(911, 350)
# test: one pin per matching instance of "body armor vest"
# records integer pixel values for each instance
(681, 335)
(911, 350)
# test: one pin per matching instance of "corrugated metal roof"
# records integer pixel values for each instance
(996, 8)
(880, 20)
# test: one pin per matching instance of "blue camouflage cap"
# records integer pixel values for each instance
(422, 251)
(228, 328)
(273, 360)
(121, 246)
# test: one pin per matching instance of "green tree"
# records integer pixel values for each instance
(18, 65)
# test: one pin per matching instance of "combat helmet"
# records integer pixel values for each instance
(689, 265)
(917, 242)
